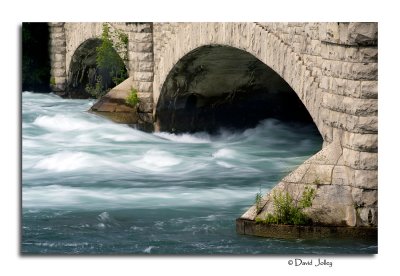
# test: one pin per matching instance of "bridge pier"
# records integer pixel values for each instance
(141, 56)
(57, 51)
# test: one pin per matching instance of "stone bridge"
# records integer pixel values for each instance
(331, 67)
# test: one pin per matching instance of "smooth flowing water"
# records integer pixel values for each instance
(90, 186)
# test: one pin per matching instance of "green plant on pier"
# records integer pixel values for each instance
(317, 181)
(289, 211)
(307, 197)
(132, 98)
(110, 67)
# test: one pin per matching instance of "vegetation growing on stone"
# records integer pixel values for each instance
(317, 181)
(289, 211)
(109, 69)
(132, 98)
(96, 90)
(109, 63)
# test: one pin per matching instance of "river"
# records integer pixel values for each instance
(90, 186)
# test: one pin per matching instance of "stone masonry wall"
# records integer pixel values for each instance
(141, 58)
(57, 56)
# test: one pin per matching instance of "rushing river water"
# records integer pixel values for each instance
(90, 186)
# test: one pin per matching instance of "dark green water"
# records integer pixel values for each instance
(90, 186)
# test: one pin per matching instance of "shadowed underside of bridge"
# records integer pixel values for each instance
(200, 76)
(216, 86)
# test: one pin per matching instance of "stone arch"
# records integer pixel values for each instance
(83, 67)
(249, 37)
(217, 86)
(77, 33)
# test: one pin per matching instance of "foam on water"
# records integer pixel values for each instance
(224, 153)
(148, 249)
(105, 217)
(225, 164)
(67, 161)
(157, 160)
(199, 138)
(62, 123)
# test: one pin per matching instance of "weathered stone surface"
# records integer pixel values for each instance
(298, 174)
(348, 105)
(143, 37)
(105, 107)
(119, 117)
(360, 160)
(146, 117)
(318, 174)
(339, 211)
(58, 58)
(349, 33)
(344, 87)
(145, 66)
(145, 86)
(352, 54)
(350, 70)
(329, 32)
(113, 104)
(363, 33)
(369, 89)
(59, 72)
(368, 216)
(366, 179)
(367, 124)
(145, 47)
(340, 176)
(351, 123)
(327, 156)
(145, 107)
(143, 76)
(365, 198)
(360, 142)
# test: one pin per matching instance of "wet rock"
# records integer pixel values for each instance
(114, 107)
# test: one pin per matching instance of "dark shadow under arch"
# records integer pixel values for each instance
(216, 86)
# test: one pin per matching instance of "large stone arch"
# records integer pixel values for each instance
(249, 37)
(226, 87)
(333, 69)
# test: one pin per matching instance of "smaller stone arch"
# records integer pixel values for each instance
(84, 74)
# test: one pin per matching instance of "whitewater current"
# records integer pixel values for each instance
(90, 186)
